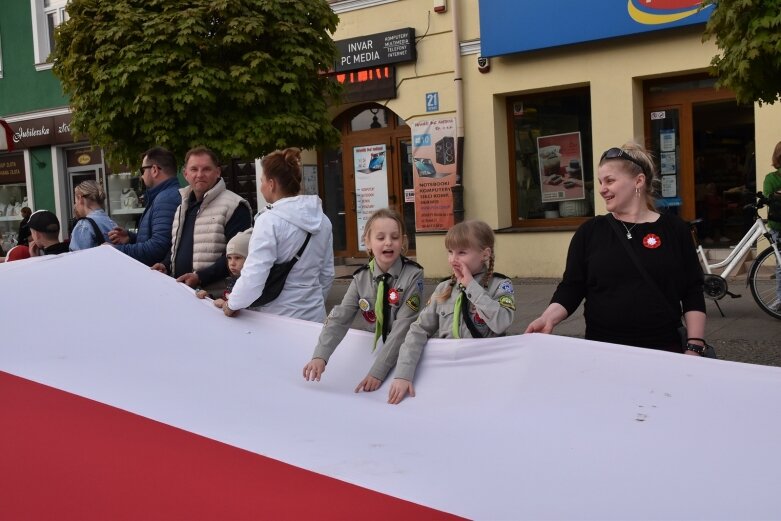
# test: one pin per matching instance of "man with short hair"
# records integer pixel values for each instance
(152, 242)
(45, 234)
(207, 218)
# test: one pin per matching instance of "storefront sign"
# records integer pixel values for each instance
(561, 167)
(12, 168)
(368, 84)
(434, 162)
(371, 183)
(51, 130)
(83, 156)
(506, 29)
(375, 49)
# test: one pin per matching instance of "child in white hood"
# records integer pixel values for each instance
(235, 256)
(289, 223)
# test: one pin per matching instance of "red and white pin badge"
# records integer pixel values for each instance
(652, 241)
(393, 296)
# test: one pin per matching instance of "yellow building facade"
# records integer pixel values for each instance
(577, 99)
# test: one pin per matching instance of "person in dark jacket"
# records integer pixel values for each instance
(45, 234)
(153, 240)
(24, 227)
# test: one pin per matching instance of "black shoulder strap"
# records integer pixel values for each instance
(625, 243)
(499, 275)
(302, 248)
(99, 239)
(470, 325)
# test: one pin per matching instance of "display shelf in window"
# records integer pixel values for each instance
(13, 197)
(125, 202)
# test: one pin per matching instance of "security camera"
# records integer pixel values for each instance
(483, 64)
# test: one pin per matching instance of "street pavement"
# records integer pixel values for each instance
(745, 334)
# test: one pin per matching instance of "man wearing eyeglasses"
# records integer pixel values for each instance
(207, 218)
(152, 242)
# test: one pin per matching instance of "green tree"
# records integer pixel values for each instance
(748, 34)
(242, 77)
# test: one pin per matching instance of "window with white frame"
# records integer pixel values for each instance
(47, 15)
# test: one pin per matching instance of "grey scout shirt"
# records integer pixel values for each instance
(492, 310)
(407, 279)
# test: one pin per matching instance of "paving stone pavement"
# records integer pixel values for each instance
(746, 334)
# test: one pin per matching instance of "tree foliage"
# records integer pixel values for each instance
(242, 77)
(748, 34)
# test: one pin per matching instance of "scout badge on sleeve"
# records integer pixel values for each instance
(364, 304)
(506, 301)
(507, 287)
(413, 302)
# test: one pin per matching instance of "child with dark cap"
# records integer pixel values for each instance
(235, 253)
(45, 234)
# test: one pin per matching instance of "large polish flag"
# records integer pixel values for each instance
(122, 396)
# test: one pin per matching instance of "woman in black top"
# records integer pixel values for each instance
(24, 227)
(621, 307)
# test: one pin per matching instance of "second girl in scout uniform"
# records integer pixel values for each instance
(387, 292)
(474, 303)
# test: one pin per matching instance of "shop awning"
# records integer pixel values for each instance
(124, 396)
(6, 137)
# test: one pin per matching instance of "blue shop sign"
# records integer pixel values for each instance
(506, 27)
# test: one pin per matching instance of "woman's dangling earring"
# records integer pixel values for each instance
(637, 192)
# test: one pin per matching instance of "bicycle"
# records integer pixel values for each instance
(763, 276)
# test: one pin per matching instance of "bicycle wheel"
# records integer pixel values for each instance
(763, 280)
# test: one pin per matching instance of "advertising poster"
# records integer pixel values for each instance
(561, 167)
(371, 183)
(434, 165)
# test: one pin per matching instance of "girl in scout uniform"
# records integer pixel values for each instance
(474, 303)
(387, 292)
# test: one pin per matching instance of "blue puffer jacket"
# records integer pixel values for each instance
(153, 240)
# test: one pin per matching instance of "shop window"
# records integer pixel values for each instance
(47, 15)
(551, 172)
(13, 197)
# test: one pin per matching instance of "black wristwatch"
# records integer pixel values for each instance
(700, 350)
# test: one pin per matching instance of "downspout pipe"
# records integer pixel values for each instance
(458, 188)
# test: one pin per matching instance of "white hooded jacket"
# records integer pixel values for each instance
(276, 237)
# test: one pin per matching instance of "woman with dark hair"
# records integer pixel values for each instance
(24, 227)
(291, 226)
(637, 269)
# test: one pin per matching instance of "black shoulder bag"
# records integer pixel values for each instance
(277, 276)
(99, 239)
(709, 351)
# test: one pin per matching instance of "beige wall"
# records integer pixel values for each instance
(613, 69)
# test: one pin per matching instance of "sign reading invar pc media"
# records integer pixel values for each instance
(375, 49)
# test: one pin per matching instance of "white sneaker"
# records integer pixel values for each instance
(775, 306)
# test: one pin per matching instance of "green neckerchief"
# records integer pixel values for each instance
(379, 305)
(457, 314)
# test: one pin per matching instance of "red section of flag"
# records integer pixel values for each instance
(66, 457)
